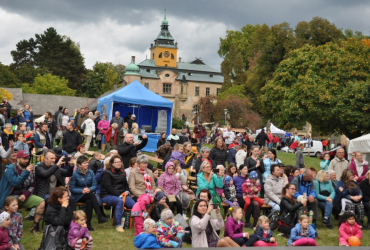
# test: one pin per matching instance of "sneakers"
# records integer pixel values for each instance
(325, 220)
(120, 229)
(342, 212)
(248, 225)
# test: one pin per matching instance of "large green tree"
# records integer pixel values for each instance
(7, 77)
(50, 85)
(328, 86)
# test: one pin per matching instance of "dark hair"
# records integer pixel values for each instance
(273, 151)
(206, 191)
(154, 169)
(273, 167)
(347, 182)
(64, 111)
(17, 135)
(283, 192)
(56, 194)
(82, 159)
(228, 171)
(242, 166)
(60, 108)
(288, 170)
(195, 208)
(80, 146)
(49, 113)
(162, 139)
(326, 154)
(345, 217)
(132, 161)
(313, 169)
(44, 123)
(111, 161)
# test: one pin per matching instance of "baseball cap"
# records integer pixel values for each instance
(167, 143)
(23, 154)
(133, 115)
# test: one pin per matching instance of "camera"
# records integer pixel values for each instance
(216, 170)
(66, 159)
(140, 137)
(215, 206)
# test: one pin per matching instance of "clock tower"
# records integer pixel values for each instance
(164, 50)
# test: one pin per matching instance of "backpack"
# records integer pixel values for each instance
(273, 218)
(53, 239)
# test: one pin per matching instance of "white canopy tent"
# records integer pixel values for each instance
(360, 144)
(274, 130)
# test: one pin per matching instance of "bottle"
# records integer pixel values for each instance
(311, 216)
(123, 221)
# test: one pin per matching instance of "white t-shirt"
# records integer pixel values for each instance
(231, 137)
(240, 157)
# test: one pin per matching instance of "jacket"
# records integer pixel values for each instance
(155, 213)
(177, 155)
(260, 232)
(299, 161)
(338, 165)
(80, 119)
(321, 186)
(41, 140)
(240, 157)
(231, 156)
(108, 135)
(267, 165)
(247, 191)
(166, 234)
(98, 179)
(345, 193)
(128, 151)
(219, 156)
(122, 133)
(303, 187)
(353, 167)
(365, 188)
(199, 161)
(146, 241)
(26, 188)
(79, 181)
(10, 180)
(324, 165)
(233, 228)
(136, 182)
(21, 146)
(141, 204)
(77, 232)
(95, 165)
(230, 193)
(56, 215)
(43, 174)
(169, 182)
(173, 139)
(15, 230)
(238, 182)
(5, 140)
(119, 122)
(273, 188)
(89, 127)
(96, 121)
(288, 211)
(251, 164)
(162, 151)
(211, 186)
(160, 142)
(30, 113)
(113, 182)
(295, 234)
(198, 229)
(261, 138)
(346, 231)
(4, 239)
(103, 125)
(71, 140)
(200, 131)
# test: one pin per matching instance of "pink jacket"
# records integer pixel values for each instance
(169, 182)
(270, 136)
(346, 231)
(4, 239)
(77, 232)
(246, 188)
(142, 202)
(352, 167)
(233, 229)
(104, 125)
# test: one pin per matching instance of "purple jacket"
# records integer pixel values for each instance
(233, 229)
(176, 155)
(77, 232)
(238, 182)
(4, 239)
(169, 182)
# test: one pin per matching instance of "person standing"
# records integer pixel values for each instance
(131, 121)
(261, 138)
(309, 144)
(103, 127)
(241, 155)
(299, 161)
(359, 167)
(271, 137)
(218, 152)
(43, 140)
(129, 149)
(71, 140)
(56, 114)
(117, 119)
(89, 130)
(5, 104)
(339, 163)
(52, 126)
(128, 117)
(254, 163)
(96, 121)
(80, 118)
(201, 133)
(229, 136)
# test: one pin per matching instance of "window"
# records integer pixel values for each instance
(197, 90)
(166, 88)
(162, 121)
(160, 55)
(211, 75)
(182, 89)
(153, 55)
(172, 56)
(218, 91)
(195, 108)
(207, 91)
(148, 70)
(189, 74)
(146, 85)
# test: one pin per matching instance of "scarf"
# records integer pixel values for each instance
(147, 181)
(83, 171)
(7, 132)
(360, 166)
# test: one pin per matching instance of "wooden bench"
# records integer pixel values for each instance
(194, 188)
(192, 181)
(265, 208)
(155, 159)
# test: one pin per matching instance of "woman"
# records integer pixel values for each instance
(135, 133)
(324, 164)
(204, 157)
(254, 163)
(132, 165)
(113, 185)
(89, 130)
(103, 126)
(80, 151)
(162, 139)
(189, 157)
(325, 194)
(270, 160)
(2, 118)
(6, 105)
(232, 171)
(204, 228)
(95, 162)
(111, 137)
(19, 118)
(6, 136)
(359, 167)
(218, 152)
(82, 187)
(288, 209)
(58, 212)
(28, 114)
(122, 133)
(141, 179)
(206, 179)
(172, 186)
(178, 154)
(20, 142)
(365, 188)
(62, 121)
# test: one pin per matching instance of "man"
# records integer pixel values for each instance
(131, 121)
(52, 126)
(119, 120)
(232, 154)
(50, 175)
(173, 138)
(128, 149)
(339, 163)
(201, 133)
(304, 185)
(71, 140)
(309, 144)
(299, 161)
(234, 143)
(18, 181)
(261, 138)
(58, 112)
(5, 104)
(43, 139)
(80, 118)
(214, 131)
(250, 143)
(163, 150)
(229, 136)
(240, 156)
(128, 117)
(274, 185)
(183, 135)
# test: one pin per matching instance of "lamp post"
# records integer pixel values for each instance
(225, 115)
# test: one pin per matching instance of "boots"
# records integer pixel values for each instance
(101, 219)
(103, 147)
(88, 223)
(35, 227)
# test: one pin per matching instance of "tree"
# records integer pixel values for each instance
(328, 86)
(27, 73)
(7, 77)
(207, 108)
(50, 85)
(5, 94)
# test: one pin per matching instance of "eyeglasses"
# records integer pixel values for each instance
(292, 189)
(117, 162)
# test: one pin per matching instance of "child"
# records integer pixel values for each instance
(78, 234)
(234, 228)
(295, 172)
(4, 224)
(352, 190)
(160, 204)
(230, 192)
(169, 231)
(264, 233)
(139, 213)
(303, 234)
(15, 230)
(147, 239)
(251, 187)
(155, 176)
(348, 227)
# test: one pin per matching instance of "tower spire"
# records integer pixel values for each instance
(165, 22)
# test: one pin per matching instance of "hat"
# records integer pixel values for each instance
(91, 116)
(23, 154)
(159, 195)
(253, 175)
(4, 215)
(167, 143)
(133, 115)
(227, 179)
(166, 214)
(148, 223)
(58, 151)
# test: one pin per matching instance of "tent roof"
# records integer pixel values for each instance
(274, 130)
(360, 144)
(136, 93)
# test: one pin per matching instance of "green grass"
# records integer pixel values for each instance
(106, 237)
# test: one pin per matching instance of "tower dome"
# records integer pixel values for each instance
(132, 68)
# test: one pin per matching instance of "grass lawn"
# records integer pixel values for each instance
(106, 237)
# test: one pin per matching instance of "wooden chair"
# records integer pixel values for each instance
(265, 208)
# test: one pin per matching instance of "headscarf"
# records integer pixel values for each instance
(167, 213)
(148, 223)
(159, 195)
(3, 216)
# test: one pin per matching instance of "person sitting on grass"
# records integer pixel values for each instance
(264, 233)
(251, 187)
(79, 235)
(348, 227)
(169, 231)
(303, 234)
(147, 239)
(4, 224)
(15, 230)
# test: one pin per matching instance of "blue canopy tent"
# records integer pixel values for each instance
(152, 111)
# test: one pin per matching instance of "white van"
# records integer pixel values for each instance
(315, 150)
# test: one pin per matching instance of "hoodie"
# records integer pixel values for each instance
(169, 182)
(89, 127)
(146, 241)
(77, 232)
(295, 234)
(140, 206)
(233, 228)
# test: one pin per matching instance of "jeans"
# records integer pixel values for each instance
(117, 203)
(270, 145)
(274, 206)
(201, 142)
(327, 207)
(247, 242)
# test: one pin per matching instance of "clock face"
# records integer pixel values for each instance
(166, 54)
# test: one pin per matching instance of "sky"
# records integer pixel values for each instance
(113, 30)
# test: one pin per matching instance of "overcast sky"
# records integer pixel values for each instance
(113, 31)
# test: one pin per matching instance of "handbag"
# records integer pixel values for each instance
(99, 137)
(59, 135)
(171, 198)
(324, 192)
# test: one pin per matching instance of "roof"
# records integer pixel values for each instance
(182, 66)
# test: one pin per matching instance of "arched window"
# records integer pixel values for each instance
(160, 55)
(172, 56)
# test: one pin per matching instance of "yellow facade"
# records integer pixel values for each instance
(164, 57)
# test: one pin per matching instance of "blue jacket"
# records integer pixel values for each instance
(79, 182)
(307, 188)
(295, 234)
(260, 232)
(267, 163)
(146, 241)
(238, 182)
(98, 179)
(345, 193)
(231, 156)
(9, 180)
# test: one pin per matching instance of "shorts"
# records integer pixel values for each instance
(31, 202)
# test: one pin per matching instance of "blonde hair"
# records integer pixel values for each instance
(262, 219)
(79, 214)
(135, 125)
(231, 211)
(321, 175)
(302, 217)
(135, 130)
(114, 125)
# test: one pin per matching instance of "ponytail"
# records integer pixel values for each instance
(231, 211)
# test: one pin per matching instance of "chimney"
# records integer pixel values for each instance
(176, 44)
(151, 45)
(179, 59)
(133, 59)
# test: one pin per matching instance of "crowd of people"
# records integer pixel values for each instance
(238, 172)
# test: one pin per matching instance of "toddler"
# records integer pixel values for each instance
(352, 191)
(251, 187)
(15, 230)
(160, 204)
(230, 192)
(147, 239)
(264, 233)
(169, 231)
(78, 234)
(139, 213)
(348, 227)
(4, 224)
(303, 234)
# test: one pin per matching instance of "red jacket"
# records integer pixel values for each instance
(108, 135)
(294, 145)
(200, 131)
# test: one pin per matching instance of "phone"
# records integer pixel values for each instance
(215, 206)
(216, 170)
(66, 159)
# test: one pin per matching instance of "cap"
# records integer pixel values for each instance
(133, 115)
(253, 175)
(23, 154)
(167, 143)
(58, 151)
